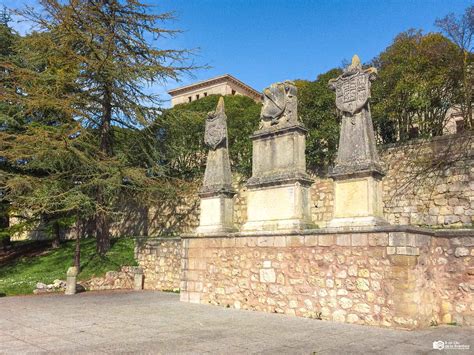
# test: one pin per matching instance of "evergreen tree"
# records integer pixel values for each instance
(7, 41)
(86, 72)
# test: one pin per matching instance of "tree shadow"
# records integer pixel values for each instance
(424, 166)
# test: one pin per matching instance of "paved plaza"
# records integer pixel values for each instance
(155, 322)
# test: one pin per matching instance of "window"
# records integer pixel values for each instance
(460, 126)
(197, 97)
(205, 94)
(233, 92)
(190, 99)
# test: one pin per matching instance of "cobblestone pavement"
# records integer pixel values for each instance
(154, 322)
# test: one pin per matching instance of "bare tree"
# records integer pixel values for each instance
(460, 29)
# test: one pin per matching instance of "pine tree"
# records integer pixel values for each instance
(7, 39)
(93, 61)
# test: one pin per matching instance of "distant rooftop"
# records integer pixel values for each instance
(213, 81)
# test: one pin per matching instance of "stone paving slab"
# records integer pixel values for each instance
(157, 323)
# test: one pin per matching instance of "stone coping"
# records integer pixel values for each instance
(354, 172)
(418, 141)
(279, 179)
(442, 233)
(144, 238)
(278, 130)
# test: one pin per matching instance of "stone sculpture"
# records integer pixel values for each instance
(217, 206)
(357, 171)
(357, 150)
(216, 127)
(278, 191)
(279, 105)
(217, 177)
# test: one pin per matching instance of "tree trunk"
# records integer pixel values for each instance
(106, 133)
(4, 224)
(102, 233)
(106, 146)
(77, 252)
(468, 89)
(56, 242)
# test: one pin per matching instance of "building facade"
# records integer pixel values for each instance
(221, 85)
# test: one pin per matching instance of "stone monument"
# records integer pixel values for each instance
(217, 204)
(357, 172)
(278, 191)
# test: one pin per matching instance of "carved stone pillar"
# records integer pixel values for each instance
(357, 172)
(217, 204)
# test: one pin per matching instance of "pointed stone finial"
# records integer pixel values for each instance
(355, 60)
(220, 109)
(355, 65)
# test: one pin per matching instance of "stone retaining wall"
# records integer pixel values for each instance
(160, 260)
(401, 277)
(427, 183)
(113, 280)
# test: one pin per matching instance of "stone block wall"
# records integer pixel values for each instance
(160, 260)
(427, 183)
(430, 183)
(453, 269)
(394, 278)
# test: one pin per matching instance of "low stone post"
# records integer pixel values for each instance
(71, 280)
(138, 279)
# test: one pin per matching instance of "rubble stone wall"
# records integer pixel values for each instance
(427, 183)
(160, 260)
(113, 280)
(400, 279)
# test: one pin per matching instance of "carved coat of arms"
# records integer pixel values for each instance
(216, 126)
(353, 87)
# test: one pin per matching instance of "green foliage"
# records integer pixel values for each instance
(21, 275)
(419, 80)
(182, 129)
(317, 109)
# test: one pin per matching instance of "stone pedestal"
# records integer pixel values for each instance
(278, 192)
(217, 212)
(358, 201)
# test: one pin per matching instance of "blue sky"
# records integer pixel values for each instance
(265, 41)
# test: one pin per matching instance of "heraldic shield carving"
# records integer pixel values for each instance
(216, 126)
(353, 87)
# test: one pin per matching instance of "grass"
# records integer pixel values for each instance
(20, 276)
